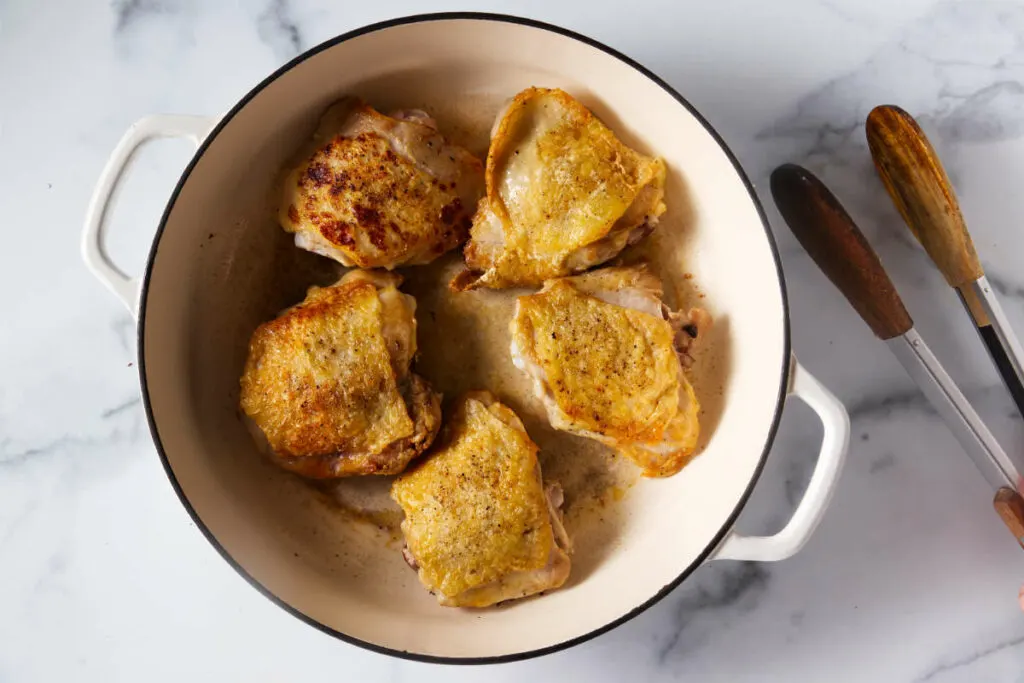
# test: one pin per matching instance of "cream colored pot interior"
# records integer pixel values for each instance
(222, 266)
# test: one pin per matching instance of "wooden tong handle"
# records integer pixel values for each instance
(918, 185)
(1010, 506)
(837, 245)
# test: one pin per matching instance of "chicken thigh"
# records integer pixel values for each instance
(480, 526)
(328, 381)
(380, 191)
(607, 358)
(563, 194)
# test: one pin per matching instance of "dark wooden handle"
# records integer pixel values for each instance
(918, 185)
(1010, 507)
(837, 245)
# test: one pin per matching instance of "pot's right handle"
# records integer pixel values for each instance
(834, 443)
(94, 252)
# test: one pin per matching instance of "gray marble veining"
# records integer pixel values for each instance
(278, 29)
(737, 587)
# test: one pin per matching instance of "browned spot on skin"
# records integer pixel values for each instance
(319, 174)
(338, 232)
(377, 237)
(340, 181)
(450, 210)
(318, 218)
(370, 222)
(367, 215)
(293, 213)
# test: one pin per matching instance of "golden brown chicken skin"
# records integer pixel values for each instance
(480, 526)
(328, 381)
(563, 194)
(607, 360)
(380, 191)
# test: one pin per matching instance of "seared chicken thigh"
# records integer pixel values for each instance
(563, 194)
(480, 527)
(607, 358)
(381, 191)
(328, 381)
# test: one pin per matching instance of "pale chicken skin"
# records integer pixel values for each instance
(480, 526)
(380, 191)
(607, 359)
(562, 194)
(329, 385)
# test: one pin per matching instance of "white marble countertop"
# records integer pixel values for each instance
(910, 577)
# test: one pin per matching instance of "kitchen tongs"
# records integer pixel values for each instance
(836, 244)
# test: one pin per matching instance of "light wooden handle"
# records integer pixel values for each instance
(839, 248)
(918, 185)
(1010, 506)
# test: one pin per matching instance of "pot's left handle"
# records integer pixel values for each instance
(94, 252)
(834, 444)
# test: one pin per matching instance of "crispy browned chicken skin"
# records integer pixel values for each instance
(380, 191)
(328, 381)
(563, 194)
(607, 360)
(480, 526)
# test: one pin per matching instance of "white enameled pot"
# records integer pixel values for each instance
(212, 268)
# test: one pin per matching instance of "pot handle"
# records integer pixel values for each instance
(834, 444)
(94, 253)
